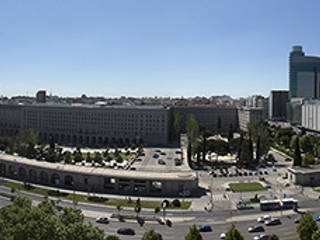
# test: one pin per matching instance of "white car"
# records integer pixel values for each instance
(263, 218)
(222, 236)
(261, 237)
(102, 220)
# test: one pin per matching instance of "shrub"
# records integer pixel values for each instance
(97, 199)
(176, 203)
(57, 193)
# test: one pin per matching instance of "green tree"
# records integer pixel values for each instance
(193, 234)
(78, 157)
(112, 237)
(316, 235)
(137, 207)
(233, 234)
(151, 235)
(98, 158)
(306, 143)
(88, 159)
(308, 160)
(307, 226)
(21, 220)
(67, 157)
(273, 237)
(297, 161)
(204, 134)
(219, 125)
(156, 210)
(119, 208)
(192, 127)
(177, 117)
(230, 132)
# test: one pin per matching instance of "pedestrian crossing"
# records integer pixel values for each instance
(219, 197)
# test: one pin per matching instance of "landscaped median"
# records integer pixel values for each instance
(246, 187)
(92, 198)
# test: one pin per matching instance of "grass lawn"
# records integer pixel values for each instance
(84, 198)
(246, 187)
(295, 238)
(316, 189)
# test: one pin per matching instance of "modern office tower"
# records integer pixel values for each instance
(41, 96)
(303, 74)
(278, 105)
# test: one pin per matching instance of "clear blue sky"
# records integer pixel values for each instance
(152, 47)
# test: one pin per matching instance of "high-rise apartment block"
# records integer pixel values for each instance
(278, 105)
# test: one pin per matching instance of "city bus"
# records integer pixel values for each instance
(277, 204)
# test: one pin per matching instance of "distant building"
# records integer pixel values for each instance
(278, 105)
(41, 96)
(246, 115)
(310, 115)
(303, 75)
(305, 176)
(294, 107)
(209, 116)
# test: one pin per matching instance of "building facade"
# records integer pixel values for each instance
(246, 115)
(100, 180)
(305, 176)
(278, 105)
(303, 74)
(310, 115)
(209, 117)
(89, 125)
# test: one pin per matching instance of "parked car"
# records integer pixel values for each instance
(162, 153)
(272, 222)
(261, 237)
(177, 161)
(317, 218)
(222, 236)
(297, 219)
(102, 220)
(126, 231)
(155, 155)
(161, 162)
(256, 228)
(262, 219)
(204, 228)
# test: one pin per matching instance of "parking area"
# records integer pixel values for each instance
(160, 160)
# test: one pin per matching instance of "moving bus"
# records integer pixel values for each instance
(277, 204)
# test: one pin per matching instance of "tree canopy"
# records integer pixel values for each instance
(307, 226)
(21, 220)
(233, 234)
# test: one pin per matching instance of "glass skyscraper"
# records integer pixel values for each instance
(304, 74)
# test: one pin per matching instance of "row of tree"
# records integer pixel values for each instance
(249, 148)
(304, 148)
(25, 144)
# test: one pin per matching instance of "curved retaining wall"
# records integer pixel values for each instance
(100, 180)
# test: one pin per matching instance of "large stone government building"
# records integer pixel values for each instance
(95, 125)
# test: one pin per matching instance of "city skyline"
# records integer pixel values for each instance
(151, 49)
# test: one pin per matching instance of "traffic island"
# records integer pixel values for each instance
(246, 187)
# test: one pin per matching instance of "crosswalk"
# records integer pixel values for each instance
(219, 197)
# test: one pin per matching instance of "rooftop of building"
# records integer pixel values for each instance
(91, 106)
(99, 171)
(305, 170)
